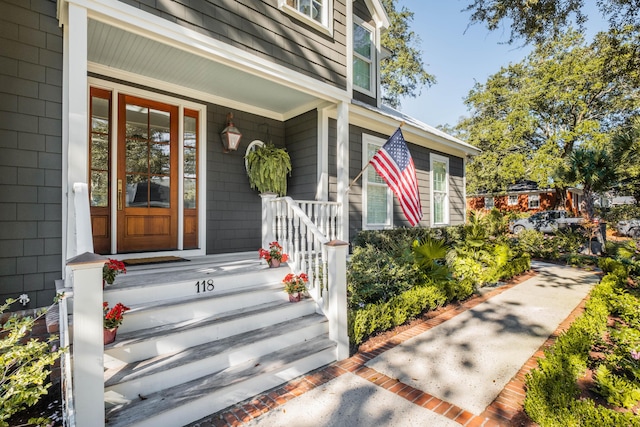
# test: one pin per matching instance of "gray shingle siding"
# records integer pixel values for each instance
(30, 150)
(262, 29)
(301, 140)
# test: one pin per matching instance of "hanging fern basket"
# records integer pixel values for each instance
(268, 167)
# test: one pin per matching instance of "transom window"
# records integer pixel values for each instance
(363, 57)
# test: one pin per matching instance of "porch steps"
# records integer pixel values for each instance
(182, 354)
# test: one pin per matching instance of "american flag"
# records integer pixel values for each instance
(394, 164)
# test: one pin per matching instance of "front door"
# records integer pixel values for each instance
(147, 175)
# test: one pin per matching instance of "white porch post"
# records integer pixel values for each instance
(75, 117)
(268, 235)
(88, 347)
(342, 156)
(337, 310)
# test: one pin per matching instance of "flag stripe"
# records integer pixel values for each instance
(394, 164)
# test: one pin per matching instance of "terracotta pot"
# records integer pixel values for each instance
(109, 335)
(274, 263)
(294, 297)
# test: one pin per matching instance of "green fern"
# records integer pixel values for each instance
(268, 167)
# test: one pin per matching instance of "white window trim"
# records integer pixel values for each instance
(509, 200)
(537, 197)
(441, 159)
(326, 26)
(373, 66)
(373, 140)
(116, 89)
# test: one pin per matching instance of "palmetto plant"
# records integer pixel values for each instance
(430, 255)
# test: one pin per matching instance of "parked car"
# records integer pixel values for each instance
(546, 222)
(629, 228)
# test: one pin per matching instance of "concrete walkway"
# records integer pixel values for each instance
(464, 367)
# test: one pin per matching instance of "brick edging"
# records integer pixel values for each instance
(506, 406)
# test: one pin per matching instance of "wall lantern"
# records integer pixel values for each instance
(230, 135)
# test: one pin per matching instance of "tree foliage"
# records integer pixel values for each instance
(530, 115)
(625, 149)
(403, 72)
(539, 20)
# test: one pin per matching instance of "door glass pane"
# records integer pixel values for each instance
(99, 189)
(160, 122)
(189, 131)
(159, 191)
(189, 193)
(190, 162)
(160, 161)
(137, 191)
(99, 115)
(137, 121)
(99, 152)
(137, 158)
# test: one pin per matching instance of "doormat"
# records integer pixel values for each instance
(154, 260)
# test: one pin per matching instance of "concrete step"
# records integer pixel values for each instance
(169, 370)
(195, 399)
(192, 280)
(144, 344)
(197, 307)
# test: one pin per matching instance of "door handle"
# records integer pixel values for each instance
(119, 194)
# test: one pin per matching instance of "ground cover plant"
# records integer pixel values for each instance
(591, 375)
(395, 275)
(26, 365)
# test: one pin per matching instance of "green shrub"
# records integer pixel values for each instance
(616, 389)
(374, 318)
(621, 212)
(25, 365)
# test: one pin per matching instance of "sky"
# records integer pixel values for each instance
(458, 55)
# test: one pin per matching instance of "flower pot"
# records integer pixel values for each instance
(274, 263)
(294, 297)
(109, 335)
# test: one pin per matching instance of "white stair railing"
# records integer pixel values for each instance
(307, 231)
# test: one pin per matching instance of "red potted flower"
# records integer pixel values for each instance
(112, 319)
(274, 255)
(111, 269)
(295, 285)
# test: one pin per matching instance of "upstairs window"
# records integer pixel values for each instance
(363, 58)
(317, 12)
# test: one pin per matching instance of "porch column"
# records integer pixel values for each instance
(75, 117)
(342, 160)
(337, 283)
(88, 347)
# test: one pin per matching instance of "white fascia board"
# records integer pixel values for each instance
(131, 19)
(371, 120)
(379, 14)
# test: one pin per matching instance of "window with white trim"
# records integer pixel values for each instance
(513, 200)
(489, 203)
(439, 190)
(363, 57)
(317, 12)
(377, 198)
(534, 201)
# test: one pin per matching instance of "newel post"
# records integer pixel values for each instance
(337, 309)
(268, 235)
(88, 347)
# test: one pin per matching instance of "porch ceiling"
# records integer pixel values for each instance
(116, 48)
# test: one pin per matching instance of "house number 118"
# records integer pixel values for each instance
(202, 286)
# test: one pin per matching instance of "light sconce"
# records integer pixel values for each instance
(230, 135)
